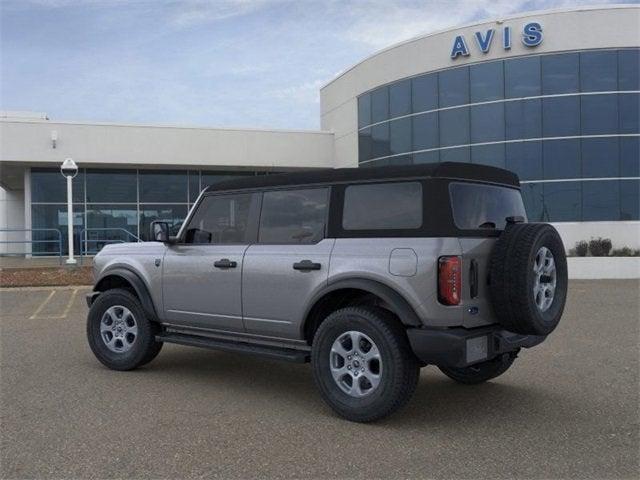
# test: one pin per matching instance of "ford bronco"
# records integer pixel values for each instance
(369, 274)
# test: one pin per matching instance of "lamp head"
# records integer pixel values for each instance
(69, 168)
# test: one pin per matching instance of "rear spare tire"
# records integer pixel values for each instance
(528, 278)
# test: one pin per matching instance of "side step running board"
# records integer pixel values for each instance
(286, 354)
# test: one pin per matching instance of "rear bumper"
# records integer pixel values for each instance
(460, 347)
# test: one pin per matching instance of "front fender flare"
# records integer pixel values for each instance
(138, 284)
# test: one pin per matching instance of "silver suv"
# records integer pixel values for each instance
(367, 273)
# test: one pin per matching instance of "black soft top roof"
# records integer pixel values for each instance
(463, 171)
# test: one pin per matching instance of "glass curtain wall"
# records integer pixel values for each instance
(111, 205)
(567, 124)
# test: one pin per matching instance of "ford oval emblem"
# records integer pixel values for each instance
(473, 310)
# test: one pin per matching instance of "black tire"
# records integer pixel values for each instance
(480, 372)
(143, 349)
(512, 278)
(398, 376)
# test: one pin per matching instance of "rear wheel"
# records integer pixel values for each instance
(363, 364)
(119, 333)
(481, 372)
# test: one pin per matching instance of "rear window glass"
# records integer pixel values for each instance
(484, 206)
(383, 206)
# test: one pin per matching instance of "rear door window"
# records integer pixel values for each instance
(294, 216)
(477, 206)
(383, 206)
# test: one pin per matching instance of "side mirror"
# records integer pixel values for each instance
(160, 231)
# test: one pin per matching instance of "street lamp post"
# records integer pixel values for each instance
(69, 169)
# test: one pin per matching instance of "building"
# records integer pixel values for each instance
(553, 96)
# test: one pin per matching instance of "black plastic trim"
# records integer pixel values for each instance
(138, 285)
(447, 347)
(275, 353)
(396, 302)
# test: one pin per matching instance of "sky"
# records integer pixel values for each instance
(217, 63)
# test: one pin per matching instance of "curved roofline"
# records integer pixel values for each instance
(612, 6)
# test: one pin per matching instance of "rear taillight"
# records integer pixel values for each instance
(449, 280)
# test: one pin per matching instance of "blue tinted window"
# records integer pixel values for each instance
(487, 81)
(425, 92)
(630, 200)
(487, 123)
(598, 71)
(454, 127)
(164, 186)
(105, 186)
(523, 119)
(379, 105)
(630, 157)
(425, 131)
(461, 154)
(532, 198)
(454, 87)
(629, 69)
(522, 77)
(211, 178)
(562, 201)
(365, 147)
(194, 186)
(54, 216)
(488, 155)
(629, 111)
(400, 135)
(600, 157)
(599, 114)
(561, 116)
(525, 159)
(114, 219)
(380, 140)
(400, 160)
(51, 187)
(400, 98)
(364, 110)
(426, 157)
(600, 201)
(561, 159)
(560, 73)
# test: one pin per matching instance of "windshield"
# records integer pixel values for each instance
(477, 206)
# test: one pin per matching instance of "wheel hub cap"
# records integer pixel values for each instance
(544, 279)
(355, 363)
(118, 329)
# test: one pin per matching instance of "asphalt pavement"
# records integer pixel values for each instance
(568, 408)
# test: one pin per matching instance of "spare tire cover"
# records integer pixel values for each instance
(528, 278)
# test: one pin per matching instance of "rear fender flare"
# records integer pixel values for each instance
(396, 302)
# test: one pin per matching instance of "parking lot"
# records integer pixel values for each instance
(567, 409)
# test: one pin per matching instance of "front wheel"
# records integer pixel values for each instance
(363, 364)
(119, 333)
(481, 372)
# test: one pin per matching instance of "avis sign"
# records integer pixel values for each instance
(531, 37)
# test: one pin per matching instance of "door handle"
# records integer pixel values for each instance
(473, 278)
(225, 263)
(306, 265)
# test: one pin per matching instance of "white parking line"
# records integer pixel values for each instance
(42, 305)
(63, 315)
